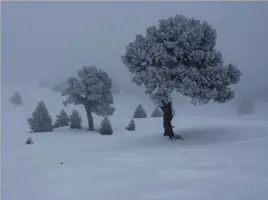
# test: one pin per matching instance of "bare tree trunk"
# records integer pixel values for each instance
(167, 118)
(89, 118)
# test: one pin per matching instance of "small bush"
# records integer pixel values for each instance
(29, 141)
(139, 112)
(61, 120)
(157, 113)
(40, 121)
(16, 99)
(75, 120)
(106, 127)
(131, 126)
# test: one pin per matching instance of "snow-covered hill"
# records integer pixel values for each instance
(222, 156)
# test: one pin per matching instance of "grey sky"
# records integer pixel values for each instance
(53, 39)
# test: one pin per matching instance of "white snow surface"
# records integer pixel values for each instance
(221, 157)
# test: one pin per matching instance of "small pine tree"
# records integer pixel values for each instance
(61, 120)
(16, 99)
(140, 112)
(131, 126)
(106, 127)
(157, 113)
(29, 141)
(75, 120)
(40, 121)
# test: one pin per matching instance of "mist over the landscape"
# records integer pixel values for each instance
(75, 127)
(50, 41)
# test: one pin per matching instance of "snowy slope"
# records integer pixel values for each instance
(220, 158)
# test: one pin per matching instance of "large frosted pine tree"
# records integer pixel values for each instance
(92, 89)
(179, 54)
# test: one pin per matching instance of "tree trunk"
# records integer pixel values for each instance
(167, 118)
(89, 118)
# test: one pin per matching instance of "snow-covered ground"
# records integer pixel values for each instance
(222, 157)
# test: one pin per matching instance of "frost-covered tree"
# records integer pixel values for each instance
(92, 89)
(16, 99)
(40, 121)
(106, 127)
(139, 112)
(75, 120)
(62, 119)
(179, 55)
(131, 126)
(157, 113)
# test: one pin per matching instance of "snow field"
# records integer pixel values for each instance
(219, 158)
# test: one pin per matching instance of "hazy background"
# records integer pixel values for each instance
(51, 40)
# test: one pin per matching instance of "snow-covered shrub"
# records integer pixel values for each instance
(75, 120)
(157, 113)
(131, 126)
(61, 120)
(40, 121)
(139, 112)
(179, 55)
(245, 107)
(92, 89)
(29, 141)
(16, 99)
(106, 127)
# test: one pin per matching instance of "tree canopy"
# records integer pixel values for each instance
(91, 88)
(179, 55)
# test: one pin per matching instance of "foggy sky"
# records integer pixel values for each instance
(51, 40)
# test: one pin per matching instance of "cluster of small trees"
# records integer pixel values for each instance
(41, 121)
(141, 113)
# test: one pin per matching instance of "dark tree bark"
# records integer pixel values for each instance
(167, 118)
(89, 118)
